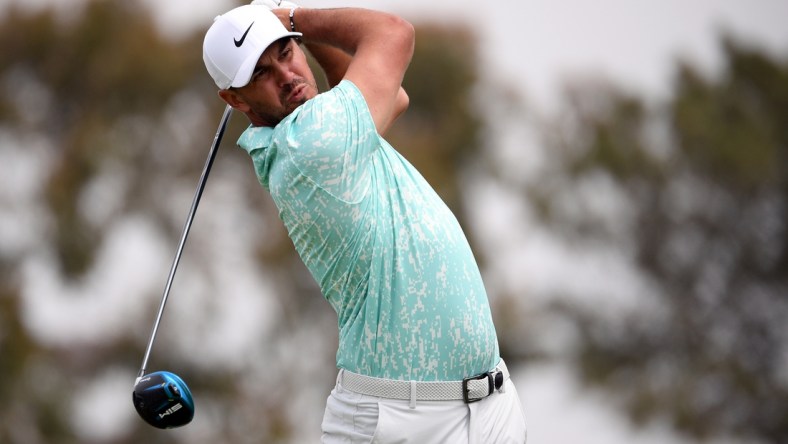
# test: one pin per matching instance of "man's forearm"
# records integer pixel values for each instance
(333, 60)
(340, 27)
(370, 48)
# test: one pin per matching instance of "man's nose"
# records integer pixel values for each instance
(283, 73)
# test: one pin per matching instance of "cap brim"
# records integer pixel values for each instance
(244, 73)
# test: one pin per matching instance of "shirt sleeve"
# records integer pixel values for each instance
(332, 142)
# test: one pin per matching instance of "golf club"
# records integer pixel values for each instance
(161, 398)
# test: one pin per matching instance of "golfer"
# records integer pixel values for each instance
(418, 354)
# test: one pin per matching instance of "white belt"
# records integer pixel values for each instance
(470, 389)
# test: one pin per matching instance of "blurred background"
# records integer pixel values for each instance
(621, 169)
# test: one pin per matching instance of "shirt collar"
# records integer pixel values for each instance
(256, 137)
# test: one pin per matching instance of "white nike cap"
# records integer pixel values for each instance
(235, 41)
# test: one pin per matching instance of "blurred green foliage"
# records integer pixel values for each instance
(95, 71)
(704, 180)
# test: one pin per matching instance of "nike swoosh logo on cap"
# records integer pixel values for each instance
(238, 43)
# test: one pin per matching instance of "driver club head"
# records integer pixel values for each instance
(163, 400)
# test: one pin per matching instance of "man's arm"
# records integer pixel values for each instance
(335, 62)
(371, 49)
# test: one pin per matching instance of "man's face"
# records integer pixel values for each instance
(281, 82)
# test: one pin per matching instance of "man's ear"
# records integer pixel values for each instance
(234, 99)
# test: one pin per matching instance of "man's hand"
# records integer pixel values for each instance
(275, 4)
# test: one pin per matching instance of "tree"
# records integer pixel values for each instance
(702, 188)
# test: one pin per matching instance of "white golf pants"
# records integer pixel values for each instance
(354, 418)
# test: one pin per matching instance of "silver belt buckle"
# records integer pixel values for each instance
(494, 382)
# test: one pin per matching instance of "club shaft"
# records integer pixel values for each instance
(187, 226)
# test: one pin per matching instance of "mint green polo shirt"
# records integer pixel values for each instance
(388, 254)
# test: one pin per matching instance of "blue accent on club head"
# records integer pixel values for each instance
(184, 393)
(163, 400)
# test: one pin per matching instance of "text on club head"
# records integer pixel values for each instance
(171, 410)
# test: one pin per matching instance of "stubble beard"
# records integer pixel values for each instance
(274, 115)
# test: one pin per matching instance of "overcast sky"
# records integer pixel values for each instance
(539, 43)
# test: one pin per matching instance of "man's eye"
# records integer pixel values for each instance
(258, 74)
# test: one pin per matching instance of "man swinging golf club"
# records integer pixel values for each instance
(418, 354)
